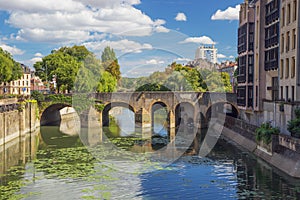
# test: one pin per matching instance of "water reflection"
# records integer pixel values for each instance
(53, 164)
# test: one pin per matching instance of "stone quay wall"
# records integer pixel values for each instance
(17, 119)
(283, 152)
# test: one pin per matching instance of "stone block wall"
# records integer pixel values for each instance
(15, 123)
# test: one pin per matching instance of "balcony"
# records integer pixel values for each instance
(271, 65)
(241, 78)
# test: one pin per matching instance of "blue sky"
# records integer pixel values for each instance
(146, 35)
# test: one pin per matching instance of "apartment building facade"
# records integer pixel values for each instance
(20, 86)
(275, 88)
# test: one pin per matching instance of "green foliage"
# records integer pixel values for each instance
(182, 78)
(9, 68)
(215, 81)
(107, 83)
(152, 87)
(78, 52)
(108, 55)
(61, 65)
(59, 98)
(265, 131)
(113, 68)
(294, 124)
(99, 107)
(110, 63)
(38, 96)
(77, 68)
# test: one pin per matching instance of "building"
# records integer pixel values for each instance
(245, 58)
(229, 67)
(18, 87)
(37, 84)
(268, 66)
(207, 53)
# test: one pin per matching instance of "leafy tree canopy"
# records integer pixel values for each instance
(76, 66)
(9, 68)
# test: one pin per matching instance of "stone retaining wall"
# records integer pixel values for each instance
(15, 122)
(283, 152)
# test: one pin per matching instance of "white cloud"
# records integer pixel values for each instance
(182, 60)
(74, 21)
(35, 59)
(221, 56)
(154, 62)
(38, 55)
(12, 49)
(124, 45)
(228, 14)
(231, 57)
(180, 17)
(199, 40)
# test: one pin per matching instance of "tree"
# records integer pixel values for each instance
(107, 83)
(86, 82)
(294, 124)
(108, 55)
(9, 68)
(153, 87)
(79, 52)
(70, 64)
(60, 65)
(110, 62)
(114, 69)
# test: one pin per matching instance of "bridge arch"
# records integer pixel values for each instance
(159, 105)
(221, 107)
(51, 115)
(109, 106)
(184, 114)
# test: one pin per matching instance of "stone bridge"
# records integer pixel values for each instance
(182, 107)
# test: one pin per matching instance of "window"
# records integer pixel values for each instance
(294, 39)
(287, 67)
(293, 93)
(241, 96)
(295, 10)
(250, 96)
(282, 43)
(275, 88)
(281, 68)
(256, 96)
(282, 17)
(288, 14)
(286, 93)
(281, 92)
(287, 41)
(293, 68)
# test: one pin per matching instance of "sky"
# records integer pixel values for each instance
(147, 35)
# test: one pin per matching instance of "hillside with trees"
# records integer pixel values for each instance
(177, 77)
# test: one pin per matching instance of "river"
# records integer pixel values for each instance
(49, 164)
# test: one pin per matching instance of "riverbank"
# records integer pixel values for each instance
(283, 152)
(17, 119)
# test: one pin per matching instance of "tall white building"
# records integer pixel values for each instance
(207, 53)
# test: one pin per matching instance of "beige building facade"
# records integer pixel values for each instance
(20, 86)
(276, 66)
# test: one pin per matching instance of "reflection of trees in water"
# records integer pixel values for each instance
(52, 136)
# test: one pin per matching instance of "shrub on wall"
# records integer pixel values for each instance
(265, 131)
(294, 124)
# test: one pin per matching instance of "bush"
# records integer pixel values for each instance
(294, 125)
(38, 96)
(265, 131)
